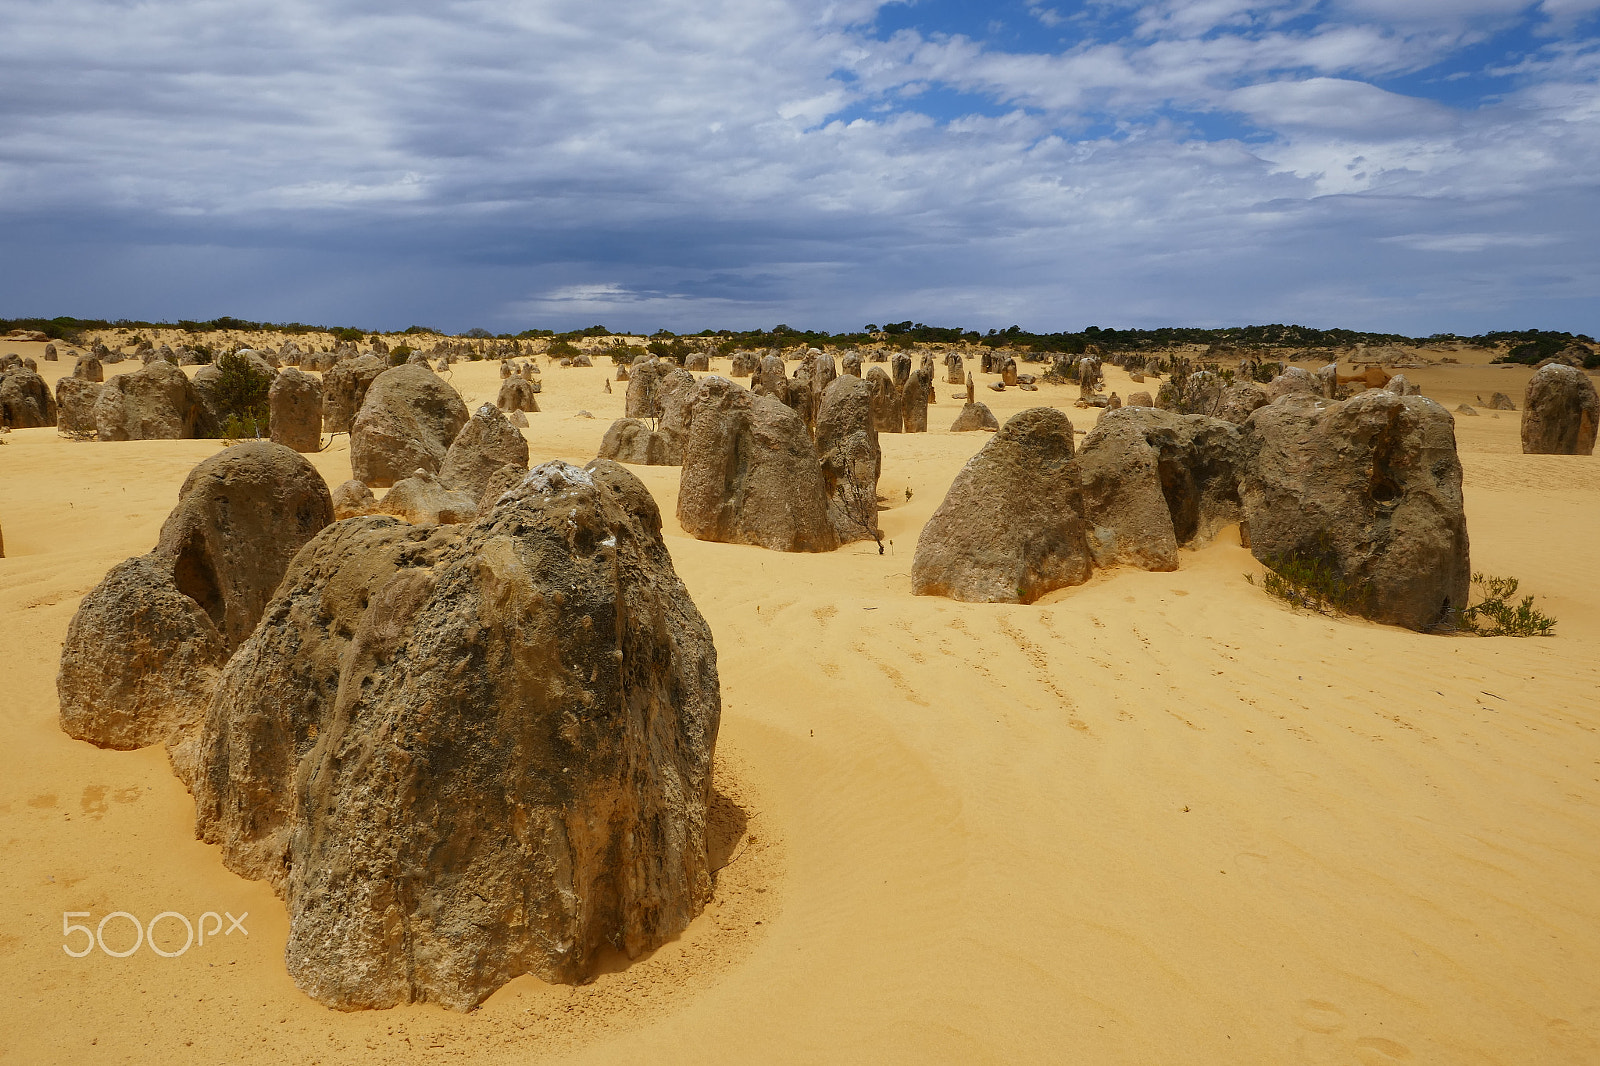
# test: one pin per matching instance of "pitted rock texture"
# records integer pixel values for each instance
(464, 754)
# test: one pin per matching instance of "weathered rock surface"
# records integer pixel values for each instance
(1501, 402)
(75, 401)
(1140, 399)
(143, 651)
(914, 401)
(751, 474)
(517, 394)
(424, 499)
(486, 443)
(974, 416)
(344, 390)
(155, 403)
(1559, 412)
(1012, 526)
(885, 401)
(351, 499)
(1154, 481)
(770, 379)
(295, 402)
(1292, 382)
(1237, 402)
(25, 400)
(408, 421)
(88, 368)
(847, 443)
(631, 441)
(1371, 486)
(464, 754)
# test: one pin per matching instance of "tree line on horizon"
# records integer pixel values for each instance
(1524, 346)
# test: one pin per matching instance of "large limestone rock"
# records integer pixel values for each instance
(143, 651)
(88, 368)
(1012, 526)
(408, 421)
(344, 390)
(850, 363)
(352, 499)
(751, 474)
(1559, 412)
(632, 441)
(847, 442)
(1294, 381)
(517, 393)
(1371, 486)
(1154, 481)
(914, 398)
(424, 499)
(770, 379)
(974, 416)
(744, 364)
(886, 414)
(1238, 401)
(463, 754)
(486, 443)
(155, 403)
(295, 402)
(25, 400)
(75, 402)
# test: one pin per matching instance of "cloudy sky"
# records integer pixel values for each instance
(1407, 165)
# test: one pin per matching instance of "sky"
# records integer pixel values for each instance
(1414, 166)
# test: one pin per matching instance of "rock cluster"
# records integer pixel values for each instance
(1370, 487)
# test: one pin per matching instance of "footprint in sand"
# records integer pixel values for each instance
(1325, 1041)
(94, 801)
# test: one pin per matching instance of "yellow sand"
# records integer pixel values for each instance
(1159, 818)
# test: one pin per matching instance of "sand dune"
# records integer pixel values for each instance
(1155, 818)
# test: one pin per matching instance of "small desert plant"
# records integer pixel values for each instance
(561, 349)
(241, 396)
(1309, 580)
(1494, 616)
(399, 354)
(620, 353)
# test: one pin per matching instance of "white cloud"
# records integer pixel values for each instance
(751, 161)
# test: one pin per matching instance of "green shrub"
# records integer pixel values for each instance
(561, 349)
(241, 395)
(1311, 581)
(399, 354)
(1494, 616)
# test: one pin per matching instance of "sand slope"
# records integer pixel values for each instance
(1157, 818)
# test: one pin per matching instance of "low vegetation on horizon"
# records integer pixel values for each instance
(1527, 346)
